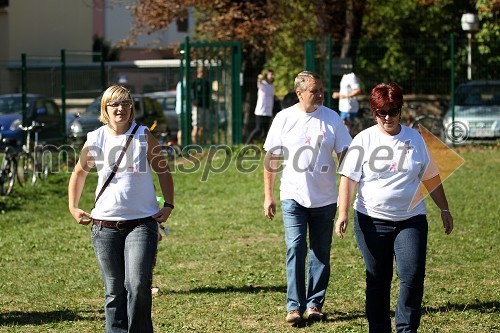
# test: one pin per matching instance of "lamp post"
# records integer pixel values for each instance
(470, 24)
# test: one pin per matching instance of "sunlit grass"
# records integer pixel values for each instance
(221, 269)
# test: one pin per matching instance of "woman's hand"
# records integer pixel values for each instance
(163, 214)
(447, 221)
(341, 225)
(81, 216)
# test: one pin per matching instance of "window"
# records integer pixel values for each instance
(183, 22)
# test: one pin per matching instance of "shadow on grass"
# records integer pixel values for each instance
(231, 289)
(13, 202)
(20, 318)
(337, 316)
(482, 307)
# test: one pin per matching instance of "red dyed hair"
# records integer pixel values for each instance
(386, 94)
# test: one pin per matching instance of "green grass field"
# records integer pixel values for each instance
(222, 267)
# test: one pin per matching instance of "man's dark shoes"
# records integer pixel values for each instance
(314, 314)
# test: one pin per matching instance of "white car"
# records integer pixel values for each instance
(477, 112)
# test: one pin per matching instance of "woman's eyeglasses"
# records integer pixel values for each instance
(126, 104)
(391, 112)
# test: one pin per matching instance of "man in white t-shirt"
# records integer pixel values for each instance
(306, 135)
(348, 102)
(265, 105)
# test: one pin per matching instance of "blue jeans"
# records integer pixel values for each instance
(297, 219)
(126, 259)
(379, 242)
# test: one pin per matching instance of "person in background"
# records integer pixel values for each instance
(307, 135)
(264, 107)
(125, 216)
(348, 102)
(387, 162)
(201, 106)
(178, 106)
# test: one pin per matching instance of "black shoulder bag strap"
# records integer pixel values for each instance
(115, 167)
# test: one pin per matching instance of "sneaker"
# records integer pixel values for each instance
(294, 317)
(314, 314)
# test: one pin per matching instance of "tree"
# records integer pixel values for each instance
(250, 22)
(421, 29)
(267, 29)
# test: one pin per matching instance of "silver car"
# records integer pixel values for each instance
(477, 112)
(167, 100)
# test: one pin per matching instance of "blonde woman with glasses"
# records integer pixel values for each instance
(125, 216)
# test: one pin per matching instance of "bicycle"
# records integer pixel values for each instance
(33, 162)
(7, 170)
(362, 121)
(432, 123)
(168, 146)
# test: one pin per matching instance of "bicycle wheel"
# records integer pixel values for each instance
(7, 175)
(43, 161)
(26, 170)
(172, 151)
(432, 123)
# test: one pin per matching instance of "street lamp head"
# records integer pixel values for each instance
(470, 22)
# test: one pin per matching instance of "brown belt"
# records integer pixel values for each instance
(121, 225)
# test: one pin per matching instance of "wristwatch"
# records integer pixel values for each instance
(169, 205)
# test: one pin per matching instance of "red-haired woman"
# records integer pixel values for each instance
(388, 161)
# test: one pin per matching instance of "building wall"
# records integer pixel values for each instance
(117, 25)
(43, 28)
(51, 25)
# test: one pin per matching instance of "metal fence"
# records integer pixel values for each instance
(213, 113)
(420, 66)
(429, 69)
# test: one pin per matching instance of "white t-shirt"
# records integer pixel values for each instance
(389, 170)
(131, 193)
(307, 142)
(265, 99)
(348, 83)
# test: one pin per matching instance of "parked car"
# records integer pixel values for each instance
(477, 112)
(147, 112)
(41, 109)
(167, 100)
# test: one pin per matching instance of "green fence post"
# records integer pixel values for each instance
(63, 96)
(103, 70)
(309, 53)
(452, 83)
(237, 103)
(23, 88)
(328, 94)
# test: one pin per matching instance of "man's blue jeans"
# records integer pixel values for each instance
(297, 219)
(380, 241)
(126, 259)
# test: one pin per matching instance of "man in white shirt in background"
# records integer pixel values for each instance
(348, 102)
(264, 107)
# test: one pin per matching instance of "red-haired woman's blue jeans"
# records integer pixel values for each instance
(126, 259)
(380, 242)
(297, 219)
